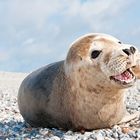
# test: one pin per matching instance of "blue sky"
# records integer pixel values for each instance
(34, 33)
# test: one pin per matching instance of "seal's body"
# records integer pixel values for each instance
(84, 91)
(41, 100)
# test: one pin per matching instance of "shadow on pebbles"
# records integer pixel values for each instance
(13, 127)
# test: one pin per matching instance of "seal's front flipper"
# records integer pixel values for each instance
(128, 117)
(136, 69)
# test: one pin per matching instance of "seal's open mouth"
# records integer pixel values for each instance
(125, 78)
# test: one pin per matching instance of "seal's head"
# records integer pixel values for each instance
(102, 58)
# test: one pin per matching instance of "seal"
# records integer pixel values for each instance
(86, 90)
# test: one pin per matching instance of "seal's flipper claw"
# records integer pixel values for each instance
(128, 117)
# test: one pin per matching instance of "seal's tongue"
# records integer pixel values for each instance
(125, 76)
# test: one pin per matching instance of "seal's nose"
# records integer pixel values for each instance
(130, 51)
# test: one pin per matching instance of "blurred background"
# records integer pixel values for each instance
(34, 33)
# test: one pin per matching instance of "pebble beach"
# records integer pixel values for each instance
(13, 127)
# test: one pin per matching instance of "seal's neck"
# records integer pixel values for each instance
(95, 83)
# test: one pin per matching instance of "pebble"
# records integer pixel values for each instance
(13, 127)
(125, 130)
(55, 138)
(99, 136)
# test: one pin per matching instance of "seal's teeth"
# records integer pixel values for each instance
(126, 76)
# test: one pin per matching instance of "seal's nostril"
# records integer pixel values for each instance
(132, 49)
(127, 51)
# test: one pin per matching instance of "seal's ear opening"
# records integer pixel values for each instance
(95, 54)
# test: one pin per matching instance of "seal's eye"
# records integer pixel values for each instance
(95, 54)
(120, 42)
